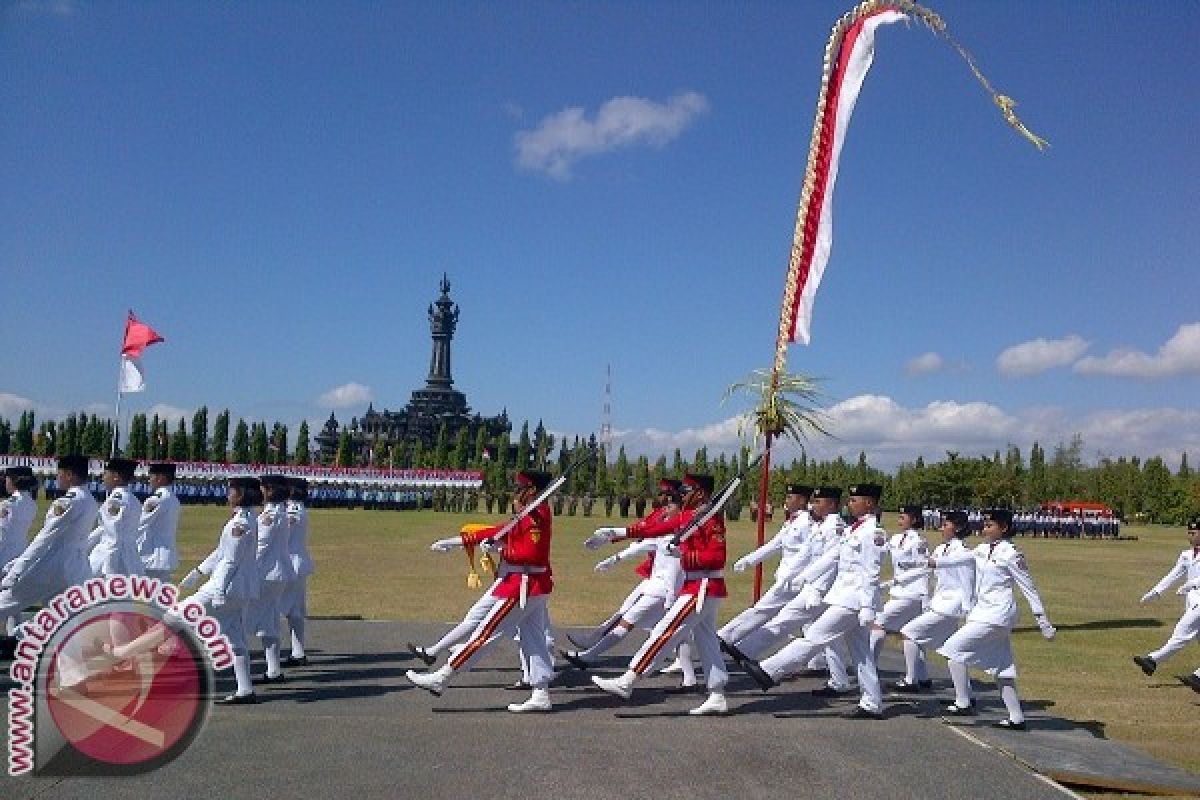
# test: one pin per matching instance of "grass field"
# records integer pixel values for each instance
(378, 564)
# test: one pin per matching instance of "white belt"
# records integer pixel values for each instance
(704, 576)
(524, 572)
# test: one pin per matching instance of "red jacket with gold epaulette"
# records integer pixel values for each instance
(703, 551)
(526, 551)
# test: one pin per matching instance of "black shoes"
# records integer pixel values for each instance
(420, 653)
(955, 710)
(238, 700)
(574, 660)
(858, 712)
(904, 687)
(831, 692)
(267, 679)
(8, 647)
(1147, 664)
(292, 661)
(1009, 725)
(1191, 681)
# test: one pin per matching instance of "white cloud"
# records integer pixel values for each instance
(12, 405)
(172, 414)
(1179, 356)
(1039, 355)
(346, 396)
(564, 137)
(892, 434)
(925, 364)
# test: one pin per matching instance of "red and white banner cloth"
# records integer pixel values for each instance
(852, 61)
(138, 336)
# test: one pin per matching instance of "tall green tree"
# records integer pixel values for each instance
(43, 442)
(5, 437)
(23, 441)
(345, 450)
(93, 442)
(259, 444)
(524, 447)
(302, 455)
(139, 437)
(241, 443)
(219, 448)
(441, 449)
(277, 448)
(460, 455)
(480, 448)
(621, 473)
(199, 443)
(180, 443)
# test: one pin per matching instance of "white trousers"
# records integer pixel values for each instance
(506, 618)
(930, 629)
(759, 614)
(1185, 631)
(682, 620)
(264, 611)
(834, 623)
(793, 619)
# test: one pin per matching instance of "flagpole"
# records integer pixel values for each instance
(117, 422)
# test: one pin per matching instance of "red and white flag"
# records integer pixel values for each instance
(814, 223)
(138, 336)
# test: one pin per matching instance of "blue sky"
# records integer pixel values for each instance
(278, 188)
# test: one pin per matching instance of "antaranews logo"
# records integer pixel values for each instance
(113, 678)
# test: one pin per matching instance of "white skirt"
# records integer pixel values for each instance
(988, 647)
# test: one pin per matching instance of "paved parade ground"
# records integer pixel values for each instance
(349, 725)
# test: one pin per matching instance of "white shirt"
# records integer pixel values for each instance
(16, 518)
(910, 580)
(858, 559)
(954, 592)
(822, 566)
(795, 540)
(998, 567)
(156, 531)
(233, 576)
(56, 557)
(113, 542)
(273, 559)
(302, 563)
(666, 576)
(1187, 567)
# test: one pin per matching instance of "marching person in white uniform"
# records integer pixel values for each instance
(56, 558)
(17, 512)
(649, 601)
(826, 533)
(231, 586)
(159, 523)
(1187, 567)
(294, 603)
(909, 586)
(275, 572)
(953, 596)
(850, 606)
(112, 544)
(985, 640)
(794, 542)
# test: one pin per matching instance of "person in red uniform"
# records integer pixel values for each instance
(694, 612)
(588, 639)
(519, 597)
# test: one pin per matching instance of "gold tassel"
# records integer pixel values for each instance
(473, 581)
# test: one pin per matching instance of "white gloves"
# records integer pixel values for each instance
(1150, 595)
(601, 537)
(1187, 587)
(673, 550)
(866, 615)
(1048, 630)
(489, 547)
(191, 579)
(811, 597)
(742, 564)
(446, 545)
(608, 563)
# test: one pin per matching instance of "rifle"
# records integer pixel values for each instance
(716, 503)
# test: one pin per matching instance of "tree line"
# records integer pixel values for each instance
(1135, 488)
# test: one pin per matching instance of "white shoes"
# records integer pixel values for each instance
(617, 686)
(715, 704)
(672, 668)
(538, 701)
(429, 681)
